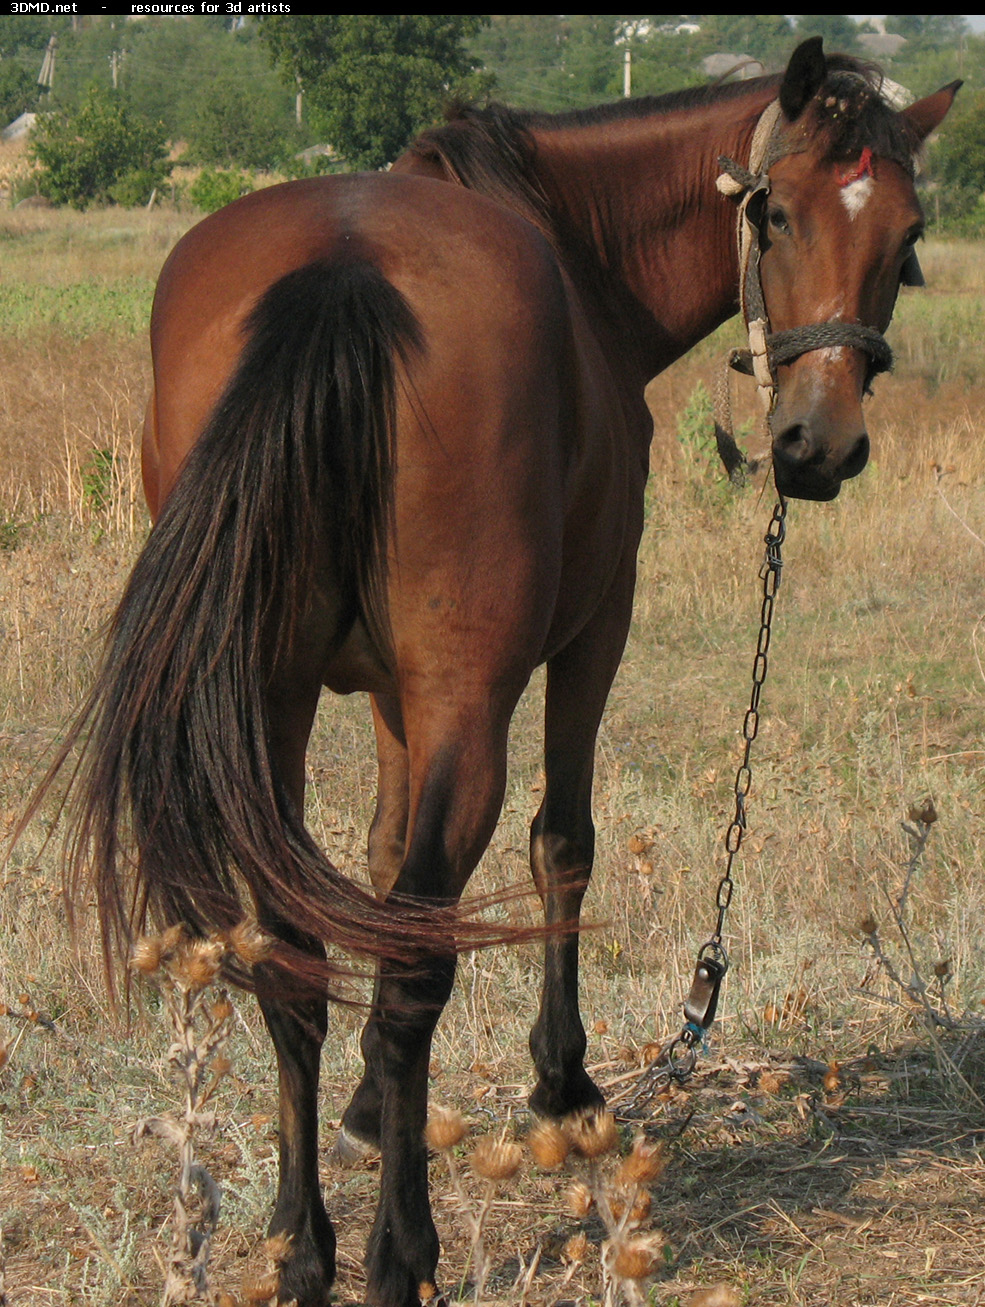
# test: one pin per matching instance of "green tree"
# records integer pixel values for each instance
(932, 29)
(236, 125)
(840, 32)
(766, 37)
(18, 91)
(23, 33)
(958, 163)
(86, 155)
(375, 79)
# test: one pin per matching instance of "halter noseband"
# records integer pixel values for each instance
(769, 350)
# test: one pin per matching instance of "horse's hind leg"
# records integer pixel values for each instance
(457, 780)
(360, 1132)
(298, 1030)
(562, 847)
(297, 1026)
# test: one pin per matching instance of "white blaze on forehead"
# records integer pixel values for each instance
(855, 195)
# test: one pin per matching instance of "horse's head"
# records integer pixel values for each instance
(835, 218)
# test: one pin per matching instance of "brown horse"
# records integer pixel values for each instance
(398, 444)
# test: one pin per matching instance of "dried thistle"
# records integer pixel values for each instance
(593, 1133)
(496, 1160)
(636, 1259)
(146, 955)
(868, 926)
(446, 1127)
(579, 1199)
(630, 1208)
(925, 813)
(575, 1250)
(493, 1161)
(201, 1025)
(549, 1145)
(250, 944)
(196, 966)
(644, 1165)
(716, 1295)
(771, 1082)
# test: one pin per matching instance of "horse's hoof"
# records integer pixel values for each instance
(349, 1150)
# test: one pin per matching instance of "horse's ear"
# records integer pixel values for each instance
(805, 73)
(927, 114)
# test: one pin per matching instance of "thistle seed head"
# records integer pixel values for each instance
(222, 1010)
(277, 1248)
(771, 1082)
(925, 812)
(197, 965)
(716, 1295)
(250, 944)
(593, 1133)
(639, 1211)
(171, 940)
(575, 1250)
(578, 1199)
(446, 1127)
(262, 1290)
(644, 1165)
(549, 1145)
(868, 925)
(635, 1259)
(496, 1159)
(146, 955)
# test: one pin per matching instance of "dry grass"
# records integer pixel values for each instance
(822, 1154)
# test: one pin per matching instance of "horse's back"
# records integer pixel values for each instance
(464, 264)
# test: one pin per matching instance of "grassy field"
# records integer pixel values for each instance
(829, 1150)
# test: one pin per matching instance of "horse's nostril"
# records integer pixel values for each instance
(795, 443)
(858, 458)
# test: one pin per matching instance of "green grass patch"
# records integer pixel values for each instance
(78, 310)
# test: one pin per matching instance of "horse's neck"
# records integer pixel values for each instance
(642, 229)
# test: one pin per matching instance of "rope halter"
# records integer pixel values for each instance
(768, 350)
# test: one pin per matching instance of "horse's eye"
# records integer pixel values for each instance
(777, 220)
(912, 237)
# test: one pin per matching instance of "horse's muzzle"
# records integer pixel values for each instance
(806, 467)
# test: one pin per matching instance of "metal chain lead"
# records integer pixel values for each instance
(769, 574)
(679, 1058)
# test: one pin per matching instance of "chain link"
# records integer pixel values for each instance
(680, 1057)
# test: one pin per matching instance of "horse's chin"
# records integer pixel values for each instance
(818, 490)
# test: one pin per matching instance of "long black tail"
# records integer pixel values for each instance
(176, 809)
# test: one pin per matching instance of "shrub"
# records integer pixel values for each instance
(239, 126)
(18, 91)
(83, 155)
(213, 189)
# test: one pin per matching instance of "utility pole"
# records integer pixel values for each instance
(46, 76)
(627, 73)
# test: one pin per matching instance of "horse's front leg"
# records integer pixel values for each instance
(562, 849)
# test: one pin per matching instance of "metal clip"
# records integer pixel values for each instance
(702, 1001)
